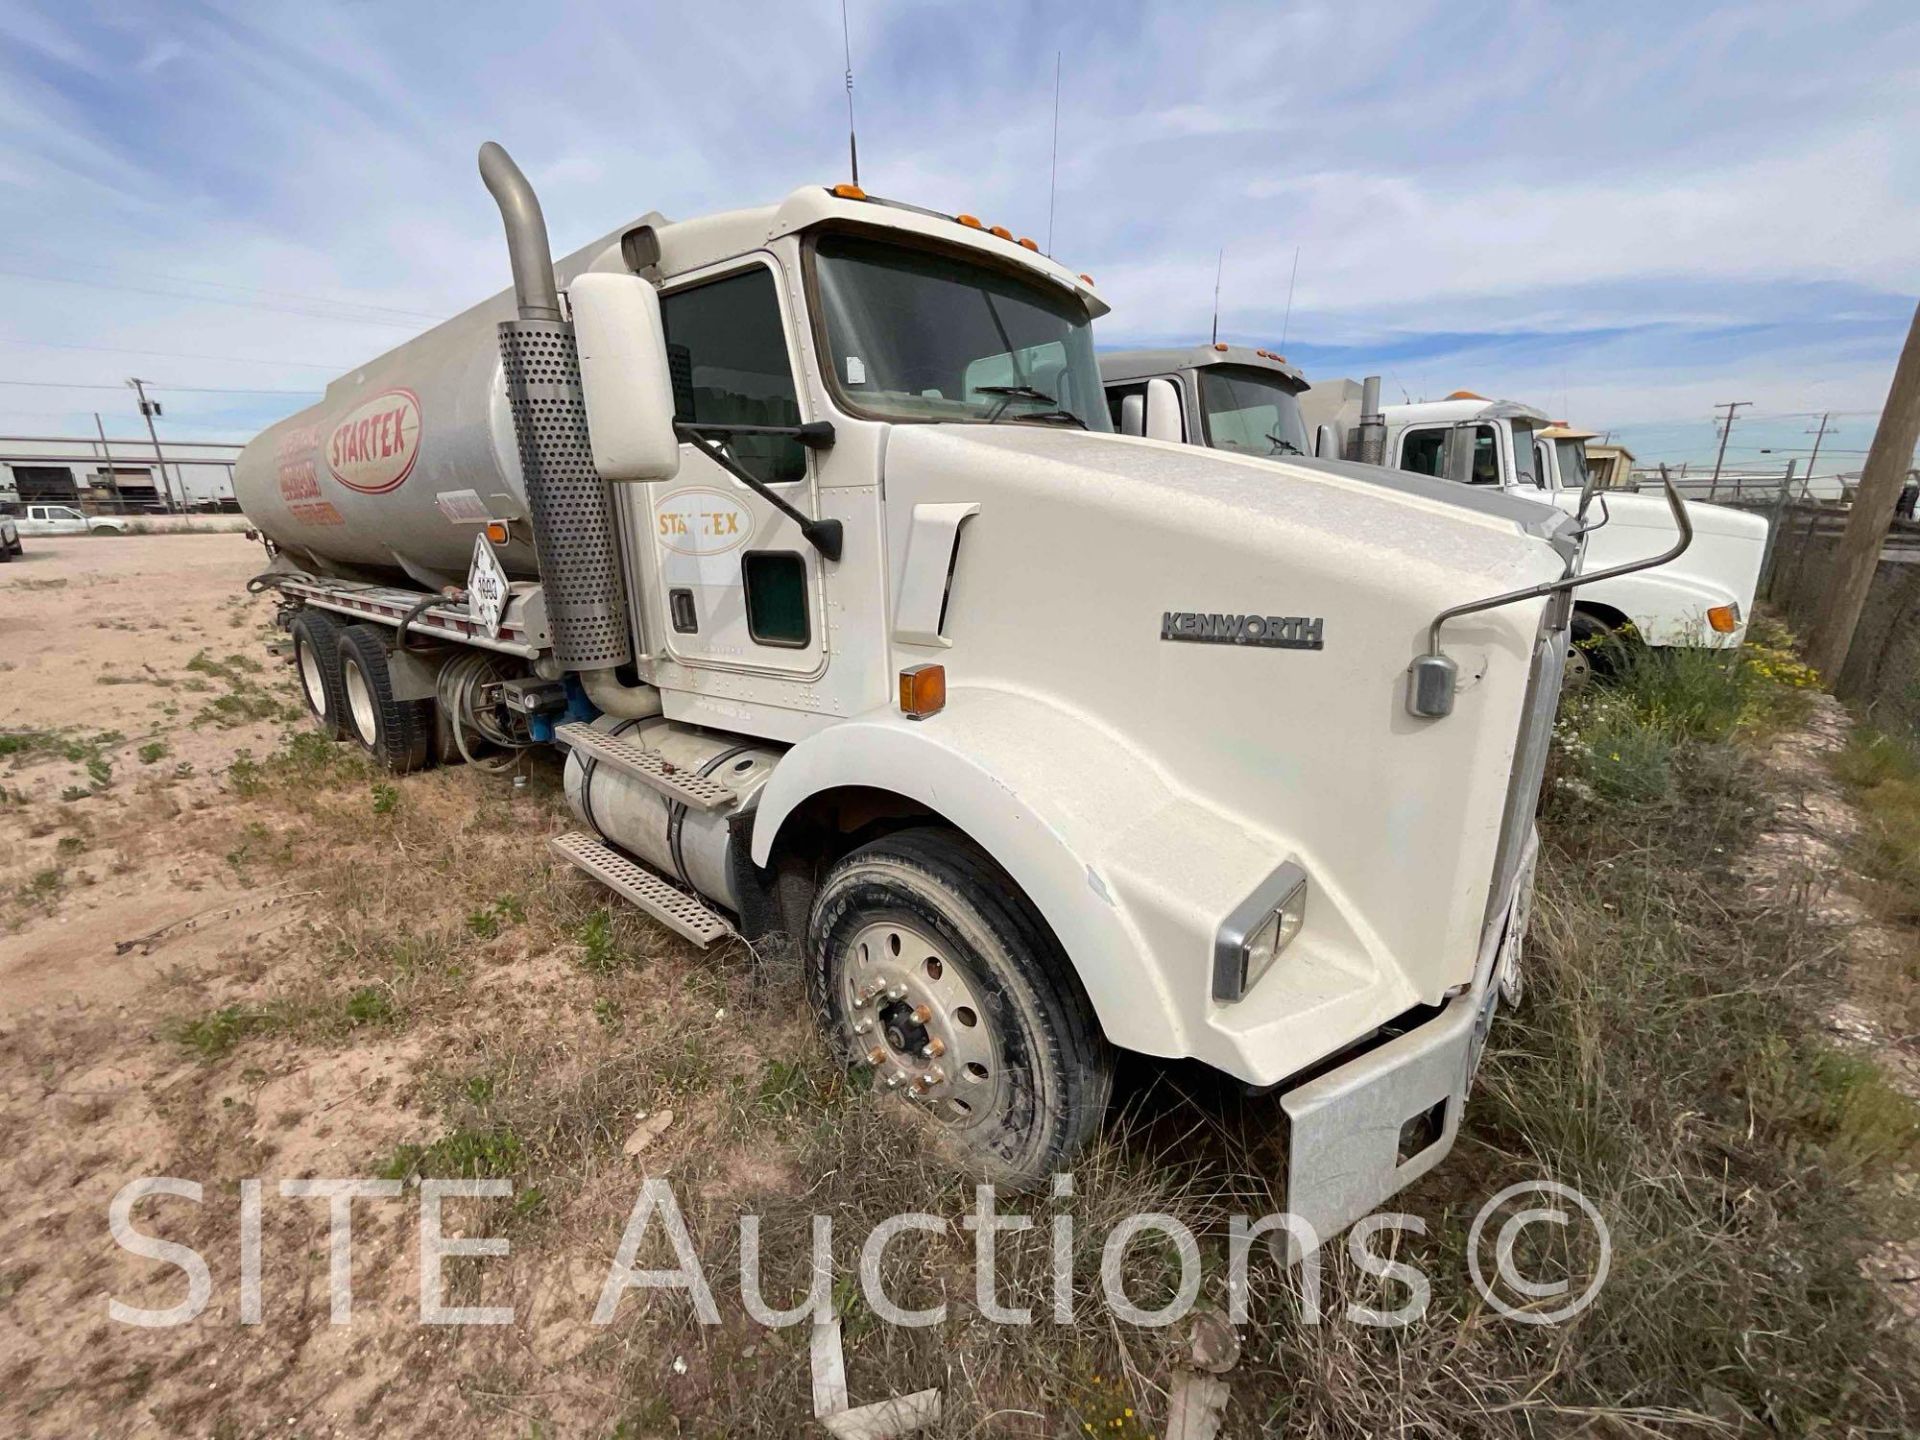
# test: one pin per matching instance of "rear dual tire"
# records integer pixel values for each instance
(316, 667)
(397, 734)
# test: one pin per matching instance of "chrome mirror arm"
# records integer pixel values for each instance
(1430, 693)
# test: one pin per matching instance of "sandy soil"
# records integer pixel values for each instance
(374, 947)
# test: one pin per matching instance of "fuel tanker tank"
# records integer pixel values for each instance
(391, 475)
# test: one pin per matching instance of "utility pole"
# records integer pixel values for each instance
(113, 476)
(1888, 461)
(1818, 436)
(151, 408)
(1770, 549)
(1726, 430)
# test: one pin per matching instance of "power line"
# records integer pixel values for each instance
(175, 354)
(309, 313)
(157, 385)
(42, 256)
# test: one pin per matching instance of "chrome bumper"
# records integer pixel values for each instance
(1351, 1126)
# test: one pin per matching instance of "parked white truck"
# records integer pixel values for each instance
(803, 529)
(1253, 402)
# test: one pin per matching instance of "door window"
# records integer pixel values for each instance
(776, 585)
(727, 353)
(1424, 452)
(1117, 398)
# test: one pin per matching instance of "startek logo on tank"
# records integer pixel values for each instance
(373, 448)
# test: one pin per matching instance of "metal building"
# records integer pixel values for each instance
(115, 477)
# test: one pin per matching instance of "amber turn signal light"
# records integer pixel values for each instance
(972, 222)
(496, 532)
(1026, 243)
(1002, 231)
(1725, 619)
(923, 691)
(849, 192)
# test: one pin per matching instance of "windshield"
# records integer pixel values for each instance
(1572, 455)
(924, 335)
(1251, 411)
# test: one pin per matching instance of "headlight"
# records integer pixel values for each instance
(1261, 927)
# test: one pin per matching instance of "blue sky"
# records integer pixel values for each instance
(1623, 213)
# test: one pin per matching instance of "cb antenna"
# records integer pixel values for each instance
(1218, 265)
(1053, 167)
(846, 40)
(1286, 320)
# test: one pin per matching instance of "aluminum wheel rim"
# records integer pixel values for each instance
(1579, 669)
(917, 1017)
(312, 681)
(359, 702)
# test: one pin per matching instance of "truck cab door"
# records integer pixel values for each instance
(734, 584)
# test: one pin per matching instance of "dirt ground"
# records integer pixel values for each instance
(230, 952)
(153, 921)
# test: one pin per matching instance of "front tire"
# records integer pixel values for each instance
(1595, 651)
(398, 734)
(926, 964)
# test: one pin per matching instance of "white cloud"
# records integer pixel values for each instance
(1484, 170)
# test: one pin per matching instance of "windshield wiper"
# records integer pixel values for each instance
(1016, 392)
(1283, 446)
(1010, 393)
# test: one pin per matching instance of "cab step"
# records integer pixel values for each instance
(691, 789)
(619, 872)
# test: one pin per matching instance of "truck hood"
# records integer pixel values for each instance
(1079, 578)
(1641, 511)
(1389, 507)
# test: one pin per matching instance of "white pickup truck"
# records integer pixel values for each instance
(1252, 401)
(65, 520)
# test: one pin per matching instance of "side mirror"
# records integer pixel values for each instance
(1163, 412)
(1325, 447)
(624, 377)
(1133, 414)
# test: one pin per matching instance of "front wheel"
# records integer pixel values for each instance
(927, 965)
(1595, 650)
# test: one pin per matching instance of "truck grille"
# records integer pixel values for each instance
(1529, 762)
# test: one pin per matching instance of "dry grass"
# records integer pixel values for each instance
(508, 1022)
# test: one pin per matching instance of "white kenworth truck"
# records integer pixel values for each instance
(804, 531)
(1253, 402)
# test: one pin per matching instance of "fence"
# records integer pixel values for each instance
(1882, 673)
(1747, 485)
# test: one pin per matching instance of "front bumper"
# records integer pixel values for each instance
(1371, 1127)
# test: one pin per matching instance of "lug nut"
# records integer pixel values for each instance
(934, 1048)
(922, 1014)
(933, 1076)
(877, 1056)
(863, 1027)
(893, 1080)
(898, 992)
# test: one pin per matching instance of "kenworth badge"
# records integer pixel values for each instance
(1278, 632)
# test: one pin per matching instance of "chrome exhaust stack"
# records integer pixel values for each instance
(571, 509)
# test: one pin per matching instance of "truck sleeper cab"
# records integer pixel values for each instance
(856, 621)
